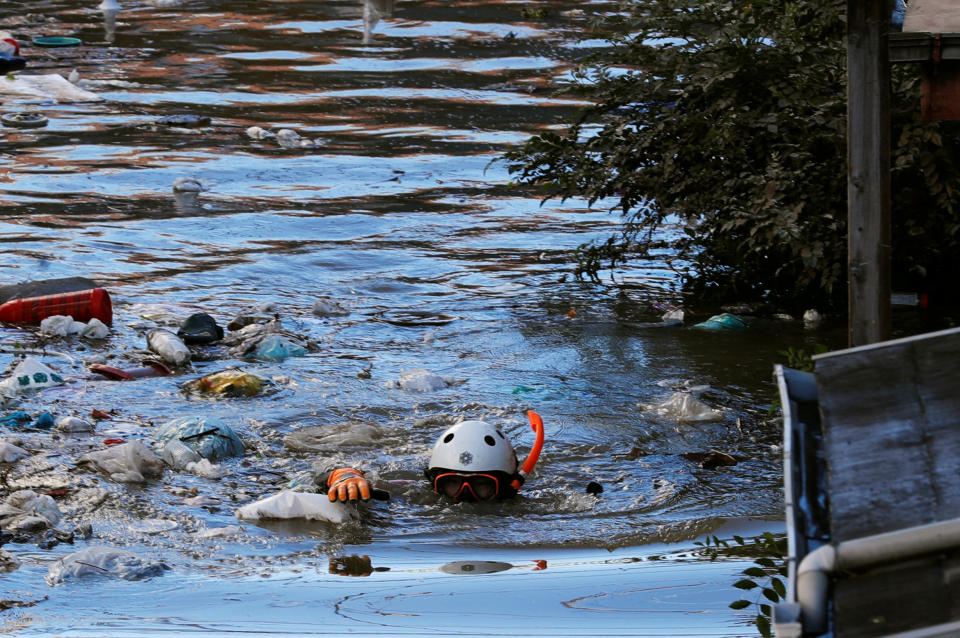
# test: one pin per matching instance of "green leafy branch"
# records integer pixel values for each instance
(800, 359)
(766, 576)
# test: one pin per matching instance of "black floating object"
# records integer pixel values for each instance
(185, 120)
(23, 120)
(200, 328)
(594, 488)
(10, 64)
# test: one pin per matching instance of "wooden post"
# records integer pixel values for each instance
(868, 170)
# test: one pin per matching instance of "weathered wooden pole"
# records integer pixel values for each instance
(868, 170)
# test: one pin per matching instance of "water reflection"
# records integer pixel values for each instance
(109, 24)
(373, 11)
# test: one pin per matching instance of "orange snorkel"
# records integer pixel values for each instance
(536, 423)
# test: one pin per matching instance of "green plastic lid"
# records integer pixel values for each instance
(57, 41)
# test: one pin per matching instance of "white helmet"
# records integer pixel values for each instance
(473, 446)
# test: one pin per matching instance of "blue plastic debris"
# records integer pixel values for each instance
(16, 419)
(276, 348)
(724, 321)
(207, 436)
(44, 421)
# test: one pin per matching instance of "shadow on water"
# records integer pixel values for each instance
(383, 197)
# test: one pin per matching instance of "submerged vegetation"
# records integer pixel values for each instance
(728, 119)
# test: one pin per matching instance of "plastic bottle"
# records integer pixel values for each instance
(83, 306)
(169, 346)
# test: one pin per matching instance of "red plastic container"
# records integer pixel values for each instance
(82, 306)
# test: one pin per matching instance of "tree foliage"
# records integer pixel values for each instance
(770, 567)
(726, 121)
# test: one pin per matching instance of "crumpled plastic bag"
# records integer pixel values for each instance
(421, 380)
(686, 408)
(103, 561)
(72, 424)
(244, 342)
(131, 462)
(206, 469)
(16, 419)
(324, 307)
(724, 321)
(10, 453)
(177, 455)
(27, 510)
(60, 326)
(180, 457)
(674, 314)
(95, 329)
(207, 436)
(327, 438)
(289, 504)
(30, 375)
(20, 419)
(220, 532)
(63, 326)
(277, 348)
(227, 382)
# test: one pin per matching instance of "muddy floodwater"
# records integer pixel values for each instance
(384, 200)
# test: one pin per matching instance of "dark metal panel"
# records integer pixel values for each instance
(890, 414)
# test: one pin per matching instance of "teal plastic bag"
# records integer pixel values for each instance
(724, 321)
(276, 348)
(207, 436)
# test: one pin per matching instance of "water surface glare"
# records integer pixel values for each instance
(391, 204)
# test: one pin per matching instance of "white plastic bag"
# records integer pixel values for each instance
(206, 469)
(131, 462)
(72, 424)
(421, 380)
(29, 375)
(103, 561)
(60, 326)
(686, 408)
(177, 455)
(25, 509)
(95, 329)
(10, 453)
(288, 504)
(326, 308)
(674, 314)
(220, 532)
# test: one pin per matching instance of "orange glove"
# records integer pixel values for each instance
(347, 484)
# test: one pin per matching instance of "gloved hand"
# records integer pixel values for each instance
(347, 484)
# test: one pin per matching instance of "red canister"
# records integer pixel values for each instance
(83, 305)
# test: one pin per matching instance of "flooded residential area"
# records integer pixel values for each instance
(324, 180)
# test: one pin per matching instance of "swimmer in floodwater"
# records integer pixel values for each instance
(471, 461)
